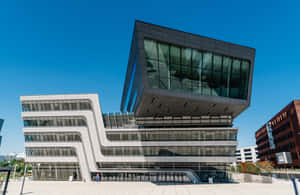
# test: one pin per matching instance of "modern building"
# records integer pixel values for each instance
(279, 140)
(247, 154)
(181, 94)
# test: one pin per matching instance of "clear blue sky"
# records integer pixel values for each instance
(56, 47)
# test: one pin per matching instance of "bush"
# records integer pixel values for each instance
(248, 167)
(266, 166)
(239, 168)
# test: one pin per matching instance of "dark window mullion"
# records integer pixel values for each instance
(158, 67)
(212, 72)
(169, 67)
(229, 78)
(191, 70)
(222, 75)
(180, 64)
(201, 90)
(240, 83)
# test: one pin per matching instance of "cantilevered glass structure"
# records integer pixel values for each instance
(174, 73)
(181, 94)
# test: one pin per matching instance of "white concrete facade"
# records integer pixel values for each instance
(94, 138)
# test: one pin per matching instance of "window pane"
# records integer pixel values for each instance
(175, 70)
(207, 61)
(206, 76)
(153, 81)
(225, 84)
(217, 63)
(175, 55)
(245, 70)
(186, 54)
(196, 86)
(195, 74)
(234, 86)
(163, 75)
(206, 80)
(197, 58)
(244, 89)
(185, 71)
(226, 64)
(205, 88)
(236, 66)
(26, 107)
(186, 85)
(175, 83)
(163, 69)
(216, 84)
(163, 52)
(152, 69)
(150, 49)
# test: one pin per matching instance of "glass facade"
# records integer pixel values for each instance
(169, 151)
(54, 122)
(52, 137)
(128, 120)
(56, 171)
(51, 151)
(218, 171)
(190, 70)
(172, 135)
(118, 120)
(56, 106)
(155, 177)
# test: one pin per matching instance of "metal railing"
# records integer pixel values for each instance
(128, 120)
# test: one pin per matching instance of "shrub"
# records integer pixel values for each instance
(232, 169)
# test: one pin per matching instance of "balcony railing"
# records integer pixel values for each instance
(128, 120)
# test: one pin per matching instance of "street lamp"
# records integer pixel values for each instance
(22, 187)
(15, 169)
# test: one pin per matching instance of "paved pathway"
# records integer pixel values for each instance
(143, 188)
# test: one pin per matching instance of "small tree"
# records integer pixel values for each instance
(239, 168)
(232, 169)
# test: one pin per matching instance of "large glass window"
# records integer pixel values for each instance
(52, 137)
(56, 171)
(169, 151)
(56, 122)
(54, 151)
(190, 70)
(56, 106)
(187, 135)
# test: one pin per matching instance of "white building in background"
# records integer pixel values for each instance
(12, 156)
(247, 154)
(15, 156)
(20, 156)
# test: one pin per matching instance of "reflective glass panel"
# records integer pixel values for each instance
(190, 70)
(150, 49)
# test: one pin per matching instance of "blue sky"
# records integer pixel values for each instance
(55, 47)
